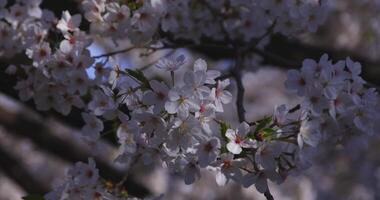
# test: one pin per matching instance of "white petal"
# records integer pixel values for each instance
(173, 95)
(221, 179)
(171, 107)
(200, 65)
(234, 148)
(230, 134)
(300, 141)
(226, 97)
(243, 129)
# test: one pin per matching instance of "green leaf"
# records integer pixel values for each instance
(132, 4)
(223, 129)
(263, 123)
(33, 197)
(268, 131)
(139, 75)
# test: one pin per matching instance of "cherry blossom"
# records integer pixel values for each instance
(238, 138)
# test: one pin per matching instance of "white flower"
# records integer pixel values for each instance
(126, 134)
(116, 13)
(205, 115)
(365, 111)
(183, 131)
(221, 96)
(180, 102)
(208, 151)
(16, 14)
(260, 179)
(25, 88)
(314, 15)
(266, 154)
(237, 138)
(229, 169)
(200, 65)
(157, 96)
(354, 68)
(194, 84)
(77, 40)
(68, 22)
(40, 54)
(191, 172)
(153, 128)
(85, 174)
(33, 7)
(171, 64)
(101, 103)
(65, 103)
(309, 133)
(298, 81)
(315, 101)
(79, 82)
(96, 193)
(93, 9)
(338, 104)
(313, 68)
(144, 19)
(93, 126)
(281, 115)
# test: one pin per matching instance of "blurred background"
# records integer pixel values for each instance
(36, 148)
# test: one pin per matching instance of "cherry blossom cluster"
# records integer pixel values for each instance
(57, 78)
(235, 20)
(84, 182)
(22, 25)
(335, 93)
(178, 123)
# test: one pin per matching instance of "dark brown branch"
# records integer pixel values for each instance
(283, 53)
(115, 52)
(268, 195)
(236, 73)
(15, 170)
(35, 128)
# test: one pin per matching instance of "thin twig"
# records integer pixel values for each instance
(112, 53)
(116, 52)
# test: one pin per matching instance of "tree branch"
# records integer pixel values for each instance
(15, 170)
(35, 128)
(236, 73)
(268, 195)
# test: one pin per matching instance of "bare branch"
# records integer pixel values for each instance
(35, 128)
(236, 73)
(15, 170)
(268, 195)
(116, 52)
